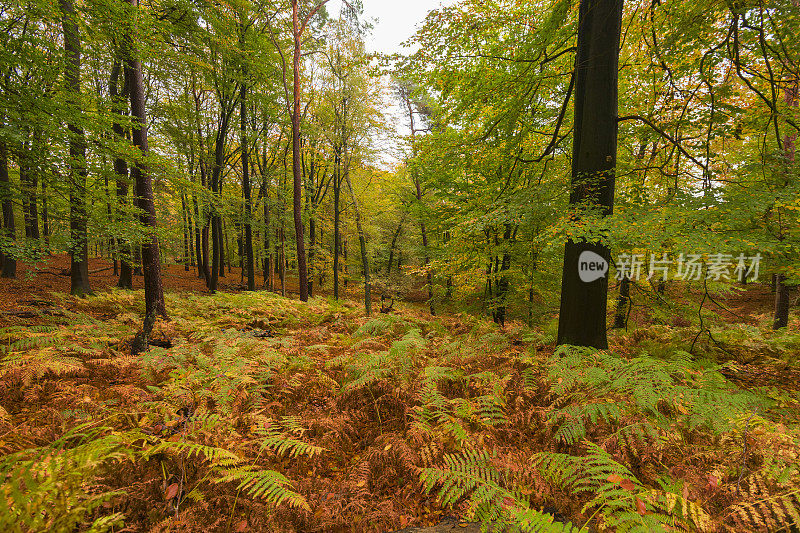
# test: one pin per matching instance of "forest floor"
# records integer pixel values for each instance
(253, 412)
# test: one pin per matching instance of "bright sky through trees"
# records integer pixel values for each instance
(396, 21)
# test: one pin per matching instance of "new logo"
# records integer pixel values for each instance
(591, 266)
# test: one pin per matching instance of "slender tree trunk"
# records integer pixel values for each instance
(302, 270)
(151, 258)
(282, 266)
(392, 248)
(9, 262)
(120, 107)
(268, 271)
(623, 302)
(582, 318)
(79, 240)
(362, 240)
(502, 282)
(337, 187)
(782, 290)
(186, 231)
(248, 207)
(198, 240)
(45, 218)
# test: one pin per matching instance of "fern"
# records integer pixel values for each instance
(768, 511)
(46, 488)
(472, 475)
(266, 484)
(277, 438)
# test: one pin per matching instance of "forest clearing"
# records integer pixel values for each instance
(313, 266)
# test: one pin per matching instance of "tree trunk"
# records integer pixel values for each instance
(782, 290)
(79, 240)
(302, 270)
(582, 317)
(186, 230)
(9, 262)
(782, 294)
(248, 207)
(623, 302)
(151, 260)
(45, 218)
(200, 259)
(120, 107)
(362, 240)
(337, 187)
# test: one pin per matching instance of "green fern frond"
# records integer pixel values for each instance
(266, 484)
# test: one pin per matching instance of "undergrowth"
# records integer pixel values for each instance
(256, 412)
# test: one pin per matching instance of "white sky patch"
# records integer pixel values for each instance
(394, 21)
(397, 20)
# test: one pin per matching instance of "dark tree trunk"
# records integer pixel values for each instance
(782, 290)
(502, 281)
(362, 241)
(312, 244)
(268, 271)
(79, 241)
(227, 248)
(186, 230)
(198, 241)
(151, 260)
(782, 295)
(582, 317)
(392, 248)
(205, 253)
(248, 207)
(29, 180)
(302, 269)
(120, 107)
(623, 303)
(337, 188)
(9, 262)
(45, 218)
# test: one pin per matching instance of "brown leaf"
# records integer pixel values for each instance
(713, 482)
(627, 484)
(241, 526)
(172, 491)
(614, 478)
(641, 508)
(508, 501)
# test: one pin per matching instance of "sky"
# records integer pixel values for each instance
(397, 20)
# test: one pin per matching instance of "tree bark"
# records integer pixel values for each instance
(79, 240)
(9, 262)
(582, 317)
(248, 207)
(623, 302)
(337, 187)
(151, 260)
(302, 269)
(362, 241)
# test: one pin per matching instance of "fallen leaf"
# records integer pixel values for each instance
(172, 491)
(387, 447)
(241, 526)
(614, 478)
(627, 484)
(508, 501)
(641, 508)
(713, 482)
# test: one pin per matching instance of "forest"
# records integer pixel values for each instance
(536, 273)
